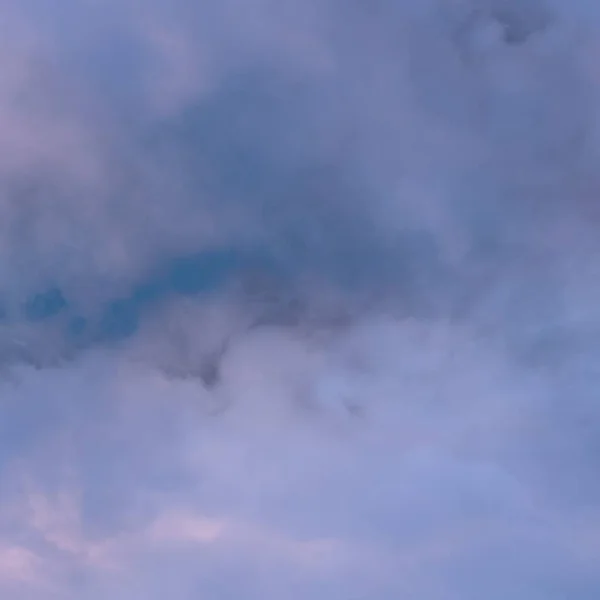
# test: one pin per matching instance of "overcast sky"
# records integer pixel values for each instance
(299, 299)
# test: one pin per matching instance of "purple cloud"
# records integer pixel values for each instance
(298, 300)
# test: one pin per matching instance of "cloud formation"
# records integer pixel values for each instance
(298, 299)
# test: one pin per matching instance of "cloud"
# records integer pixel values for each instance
(298, 300)
(139, 486)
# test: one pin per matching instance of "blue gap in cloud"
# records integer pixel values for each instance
(200, 273)
(204, 272)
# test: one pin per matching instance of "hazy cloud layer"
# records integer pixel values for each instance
(299, 300)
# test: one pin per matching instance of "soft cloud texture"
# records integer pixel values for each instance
(299, 300)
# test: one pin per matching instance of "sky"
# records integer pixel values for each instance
(299, 299)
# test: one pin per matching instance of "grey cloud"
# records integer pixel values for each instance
(299, 299)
